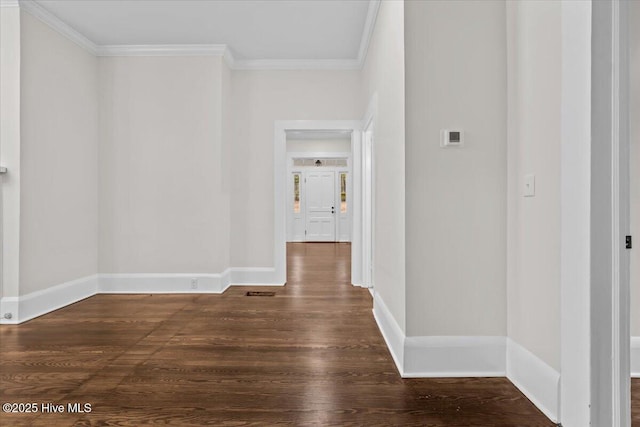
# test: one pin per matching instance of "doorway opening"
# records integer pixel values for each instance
(317, 190)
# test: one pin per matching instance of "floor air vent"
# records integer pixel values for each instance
(261, 294)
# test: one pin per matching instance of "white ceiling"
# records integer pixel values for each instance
(253, 30)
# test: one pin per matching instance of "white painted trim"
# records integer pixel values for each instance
(48, 18)
(622, 220)
(160, 283)
(296, 64)
(181, 283)
(254, 276)
(390, 330)
(575, 216)
(367, 32)
(320, 154)
(229, 58)
(303, 170)
(365, 236)
(10, 311)
(9, 3)
(610, 321)
(617, 281)
(165, 50)
(535, 379)
(440, 356)
(280, 181)
(51, 20)
(36, 304)
(455, 356)
(356, 209)
(635, 357)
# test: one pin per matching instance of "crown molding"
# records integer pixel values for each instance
(48, 18)
(229, 58)
(36, 10)
(9, 3)
(367, 32)
(296, 64)
(162, 50)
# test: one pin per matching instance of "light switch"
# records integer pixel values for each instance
(529, 185)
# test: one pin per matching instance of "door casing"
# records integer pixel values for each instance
(281, 175)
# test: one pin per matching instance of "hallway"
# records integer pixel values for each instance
(310, 355)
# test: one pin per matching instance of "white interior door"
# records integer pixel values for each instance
(320, 206)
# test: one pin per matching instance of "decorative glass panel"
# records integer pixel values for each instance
(343, 192)
(296, 193)
(342, 163)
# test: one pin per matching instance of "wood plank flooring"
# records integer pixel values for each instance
(310, 355)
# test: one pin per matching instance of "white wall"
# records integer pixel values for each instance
(534, 147)
(383, 74)
(259, 99)
(162, 206)
(319, 145)
(456, 198)
(59, 148)
(10, 149)
(634, 162)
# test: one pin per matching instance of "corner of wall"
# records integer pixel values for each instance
(41, 302)
(538, 381)
(391, 332)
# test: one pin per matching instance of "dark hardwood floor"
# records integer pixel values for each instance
(310, 355)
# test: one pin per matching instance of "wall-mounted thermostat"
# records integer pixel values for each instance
(451, 138)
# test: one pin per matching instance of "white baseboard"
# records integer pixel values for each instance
(440, 356)
(36, 304)
(161, 283)
(45, 301)
(390, 330)
(535, 379)
(183, 282)
(253, 276)
(635, 357)
(455, 356)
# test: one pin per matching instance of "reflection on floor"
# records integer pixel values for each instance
(310, 355)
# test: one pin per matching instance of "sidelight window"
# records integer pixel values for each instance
(296, 193)
(343, 192)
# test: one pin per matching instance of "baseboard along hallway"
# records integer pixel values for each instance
(311, 354)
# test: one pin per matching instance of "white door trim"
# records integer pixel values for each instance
(610, 317)
(291, 217)
(621, 208)
(368, 193)
(280, 172)
(302, 170)
(575, 216)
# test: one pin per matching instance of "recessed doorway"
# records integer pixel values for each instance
(327, 154)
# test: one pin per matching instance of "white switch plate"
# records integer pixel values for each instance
(529, 185)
